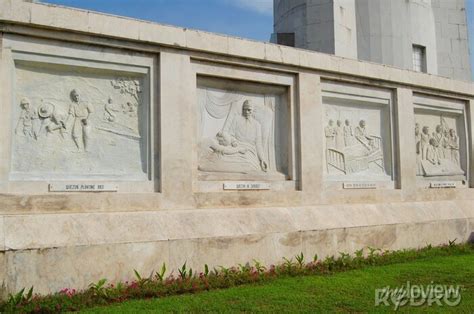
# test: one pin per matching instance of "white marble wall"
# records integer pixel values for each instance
(165, 206)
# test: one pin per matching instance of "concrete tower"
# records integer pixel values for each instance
(422, 35)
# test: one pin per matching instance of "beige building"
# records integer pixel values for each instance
(422, 35)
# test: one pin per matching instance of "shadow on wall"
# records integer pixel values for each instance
(471, 238)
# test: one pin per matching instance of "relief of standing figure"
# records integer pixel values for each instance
(339, 135)
(424, 142)
(454, 146)
(419, 167)
(80, 112)
(330, 133)
(348, 134)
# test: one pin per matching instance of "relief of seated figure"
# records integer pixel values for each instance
(248, 131)
(438, 153)
(237, 150)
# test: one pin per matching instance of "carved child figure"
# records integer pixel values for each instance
(27, 117)
(80, 112)
(226, 146)
(110, 111)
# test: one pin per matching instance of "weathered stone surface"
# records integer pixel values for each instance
(165, 208)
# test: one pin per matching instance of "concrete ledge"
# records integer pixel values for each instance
(56, 251)
(52, 269)
(39, 231)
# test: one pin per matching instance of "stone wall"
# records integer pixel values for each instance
(452, 39)
(125, 147)
(382, 31)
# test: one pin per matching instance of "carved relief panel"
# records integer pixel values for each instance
(243, 131)
(440, 137)
(357, 133)
(73, 122)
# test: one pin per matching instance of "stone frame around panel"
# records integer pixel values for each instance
(108, 93)
(441, 140)
(358, 133)
(269, 96)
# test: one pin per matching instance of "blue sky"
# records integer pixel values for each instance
(243, 18)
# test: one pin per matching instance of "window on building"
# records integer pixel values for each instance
(419, 58)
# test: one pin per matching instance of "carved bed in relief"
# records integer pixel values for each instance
(357, 157)
(357, 133)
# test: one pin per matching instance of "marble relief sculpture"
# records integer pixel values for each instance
(240, 135)
(68, 125)
(437, 153)
(240, 148)
(352, 150)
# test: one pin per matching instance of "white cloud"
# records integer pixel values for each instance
(260, 6)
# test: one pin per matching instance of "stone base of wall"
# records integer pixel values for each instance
(55, 251)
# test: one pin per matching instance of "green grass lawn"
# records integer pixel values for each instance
(352, 291)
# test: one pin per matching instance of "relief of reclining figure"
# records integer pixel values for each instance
(353, 150)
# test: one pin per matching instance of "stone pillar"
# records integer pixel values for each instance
(470, 135)
(311, 118)
(177, 96)
(404, 144)
(5, 109)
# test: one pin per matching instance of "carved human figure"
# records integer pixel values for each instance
(445, 151)
(225, 154)
(45, 115)
(330, 133)
(432, 154)
(226, 146)
(130, 109)
(454, 146)
(438, 137)
(362, 136)
(348, 133)
(424, 142)
(247, 130)
(110, 111)
(80, 113)
(417, 138)
(339, 135)
(26, 121)
(419, 167)
(55, 122)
